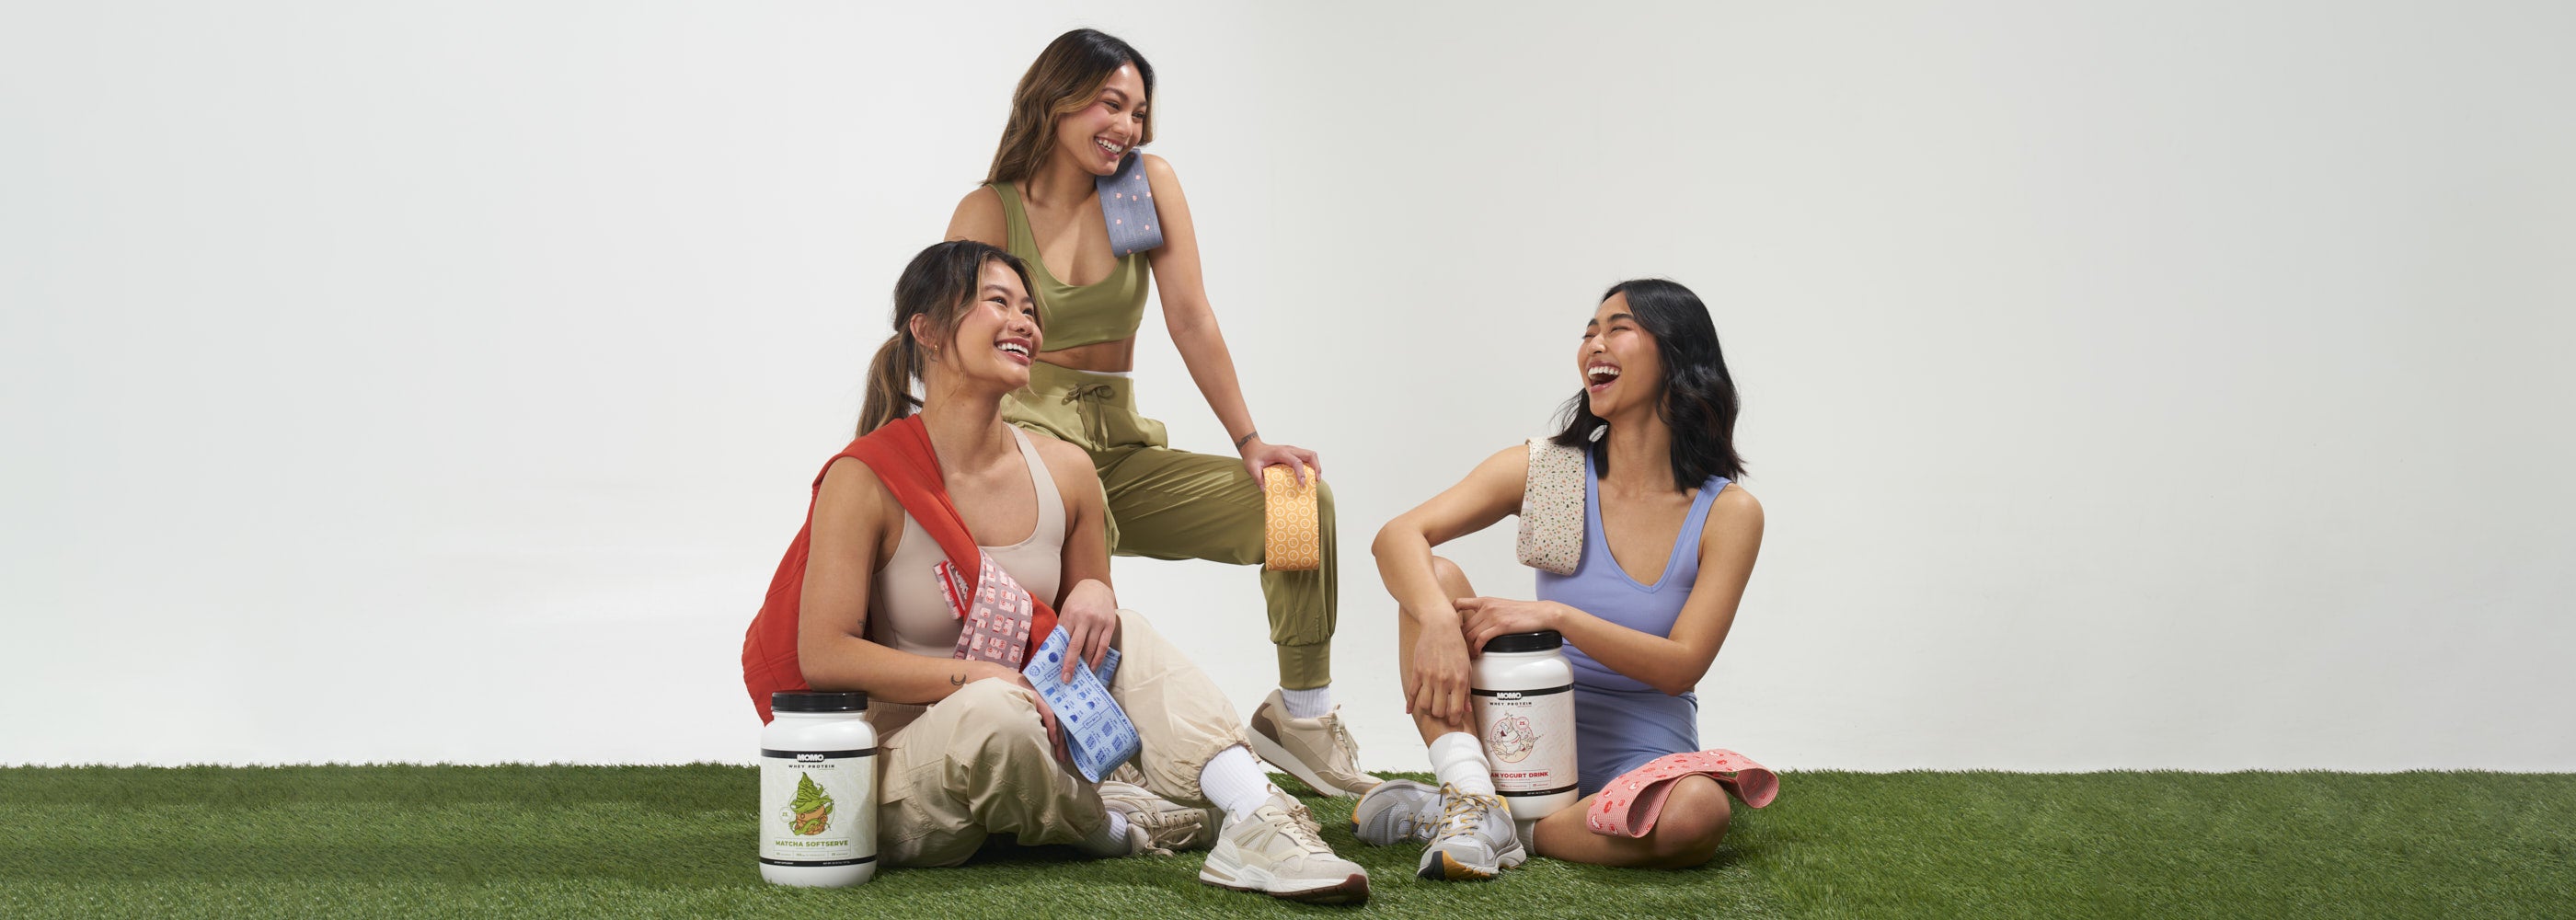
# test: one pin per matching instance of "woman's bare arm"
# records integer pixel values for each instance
(979, 218)
(1403, 550)
(1192, 322)
(1086, 605)
(849, 525)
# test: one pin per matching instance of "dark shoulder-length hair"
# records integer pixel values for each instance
(1698, 399)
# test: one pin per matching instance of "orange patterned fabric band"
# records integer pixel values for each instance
(1292, 532)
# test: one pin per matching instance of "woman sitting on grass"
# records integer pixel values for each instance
(969, 749)
(1668, 544)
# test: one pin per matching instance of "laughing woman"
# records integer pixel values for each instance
(969, 749)
(1668, 543)
(1098, 223)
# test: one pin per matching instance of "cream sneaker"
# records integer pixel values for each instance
(1158, 825)
(1317, 751)
(1474, 841)
(1278, 853)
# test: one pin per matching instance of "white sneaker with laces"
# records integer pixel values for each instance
(1278, 853)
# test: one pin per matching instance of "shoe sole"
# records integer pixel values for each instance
(1278, 756)
(1352, 890)
(1448, 869)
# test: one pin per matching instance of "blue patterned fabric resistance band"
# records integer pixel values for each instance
(1127, 204)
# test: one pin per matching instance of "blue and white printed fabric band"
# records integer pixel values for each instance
(1096, 731)
(1127, 204)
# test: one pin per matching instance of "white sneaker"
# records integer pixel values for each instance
(1158, 825)
(1278, 853)
(1474, 839)
(1398, 809)
(1317, 751)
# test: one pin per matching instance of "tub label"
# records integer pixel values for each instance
(818, 808)
(1529, 739)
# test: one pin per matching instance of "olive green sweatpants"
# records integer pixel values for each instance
(1173, 504)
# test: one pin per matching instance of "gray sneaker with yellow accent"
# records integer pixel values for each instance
(1474, 839)
(1317, 751)
(1395, 810)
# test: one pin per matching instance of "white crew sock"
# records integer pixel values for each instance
(1111, 840)
(1234, 781)
(1307, 704)
(1459, 760)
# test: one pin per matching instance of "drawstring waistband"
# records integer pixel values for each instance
(1095, 410)
(1092, 391)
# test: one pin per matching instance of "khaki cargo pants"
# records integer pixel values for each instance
(1173, 504)
(978, 763)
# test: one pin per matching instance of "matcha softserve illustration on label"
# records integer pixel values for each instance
(811, 812)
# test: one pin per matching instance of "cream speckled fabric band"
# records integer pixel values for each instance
(1292, 530)
(1552, 508)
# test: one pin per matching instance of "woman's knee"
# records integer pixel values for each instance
(1693, 822)
(1001, 720)
(1452, 578)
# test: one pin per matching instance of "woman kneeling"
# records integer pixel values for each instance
(1667, 546)
(969, 749)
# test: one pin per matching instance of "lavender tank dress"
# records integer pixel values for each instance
(1620, 723)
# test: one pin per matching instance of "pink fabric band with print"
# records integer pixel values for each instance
(998, 612)
(1628, 806)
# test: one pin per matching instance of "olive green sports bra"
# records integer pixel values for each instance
(1104, 312)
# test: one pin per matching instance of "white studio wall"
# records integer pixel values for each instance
(2137, 385)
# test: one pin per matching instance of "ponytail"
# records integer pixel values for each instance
(890, 376)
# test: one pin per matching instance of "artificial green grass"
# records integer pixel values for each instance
(677, 841)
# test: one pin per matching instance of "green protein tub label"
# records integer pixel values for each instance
(817, 808)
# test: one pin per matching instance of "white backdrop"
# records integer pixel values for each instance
(2150, 385)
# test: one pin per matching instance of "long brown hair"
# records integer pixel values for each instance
(938, 284)
(1065, 79)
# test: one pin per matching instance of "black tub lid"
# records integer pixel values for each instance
(813, 701)
(1541, 641)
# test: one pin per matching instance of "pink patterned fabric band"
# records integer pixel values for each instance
(996, 609)
(1629, 805)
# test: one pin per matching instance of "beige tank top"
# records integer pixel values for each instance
(906, 610)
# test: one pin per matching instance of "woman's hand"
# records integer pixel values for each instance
(1046, 713)
(1046, 717)
(1259, 454)
(1090, 621)
(1439, 676)
(1483, 618)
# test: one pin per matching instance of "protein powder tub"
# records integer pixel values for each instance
(818, 791)
(1524, 694)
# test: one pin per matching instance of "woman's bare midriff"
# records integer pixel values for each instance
(1111, 357)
